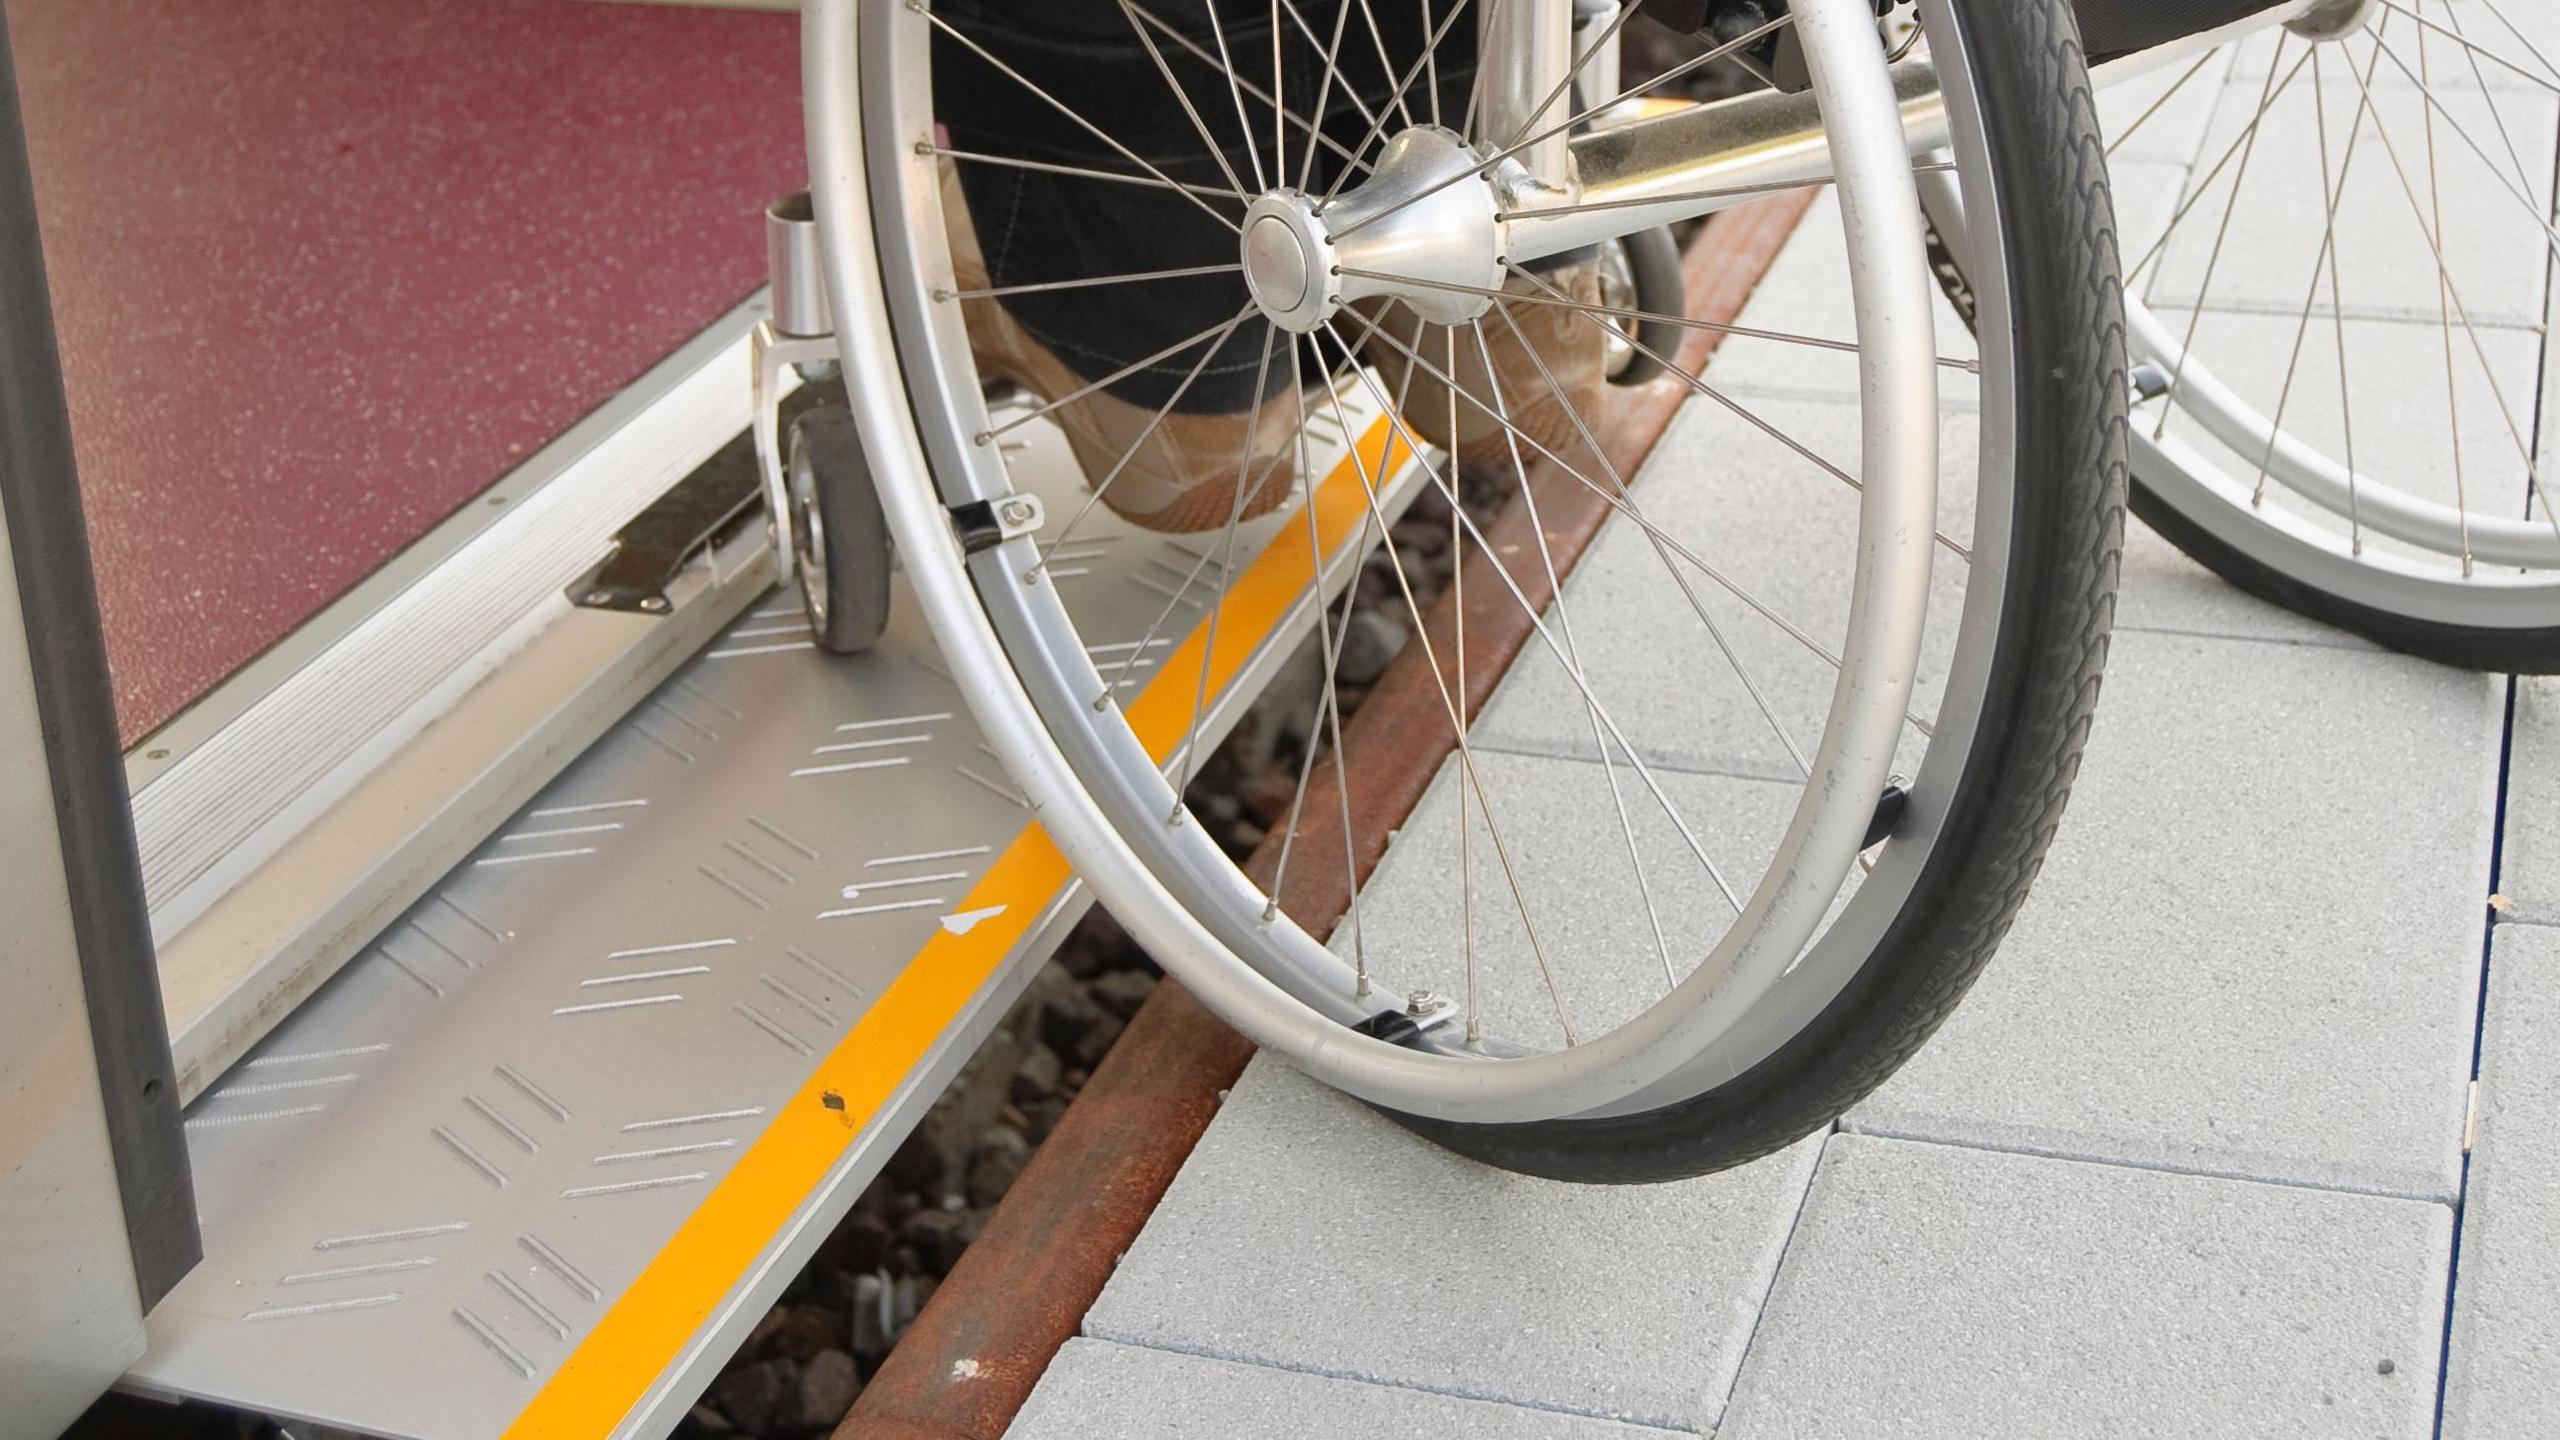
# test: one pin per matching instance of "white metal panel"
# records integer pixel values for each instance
(71, 1318)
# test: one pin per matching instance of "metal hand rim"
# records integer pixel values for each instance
(857, 126)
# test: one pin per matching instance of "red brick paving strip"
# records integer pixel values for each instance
(1022, 1289)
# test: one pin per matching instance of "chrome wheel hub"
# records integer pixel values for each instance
(1425, 227)
(2331, 19)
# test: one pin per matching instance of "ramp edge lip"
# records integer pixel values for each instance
(430, 651)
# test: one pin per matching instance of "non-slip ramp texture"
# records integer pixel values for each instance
(545, 1149)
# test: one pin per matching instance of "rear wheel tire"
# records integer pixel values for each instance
(2048, 173)
(1780, 1024)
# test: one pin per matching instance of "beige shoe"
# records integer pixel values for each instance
(1184, 476)
(1574, 350)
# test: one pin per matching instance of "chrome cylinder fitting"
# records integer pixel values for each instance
(791, 259)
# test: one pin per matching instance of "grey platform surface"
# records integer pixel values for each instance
(2190, 1160)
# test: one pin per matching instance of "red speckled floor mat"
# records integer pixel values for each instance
(323, 270)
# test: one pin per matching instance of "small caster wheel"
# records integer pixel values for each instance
(1642, 272)
(839, 540)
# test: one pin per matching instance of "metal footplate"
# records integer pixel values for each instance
(536, 1160)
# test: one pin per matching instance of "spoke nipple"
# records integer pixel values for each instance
(1175, 819)
(941, 296)
(982, 437)
(1270, 910)
(925, 147)
(1102, 701)
(1360, 988)
(1031, 576)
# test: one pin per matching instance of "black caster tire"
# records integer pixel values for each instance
(839, 539)
(1653, 273)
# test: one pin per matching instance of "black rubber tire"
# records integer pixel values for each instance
(2067, 530)
(846, 595)
(1653, 260)
(2523, 650)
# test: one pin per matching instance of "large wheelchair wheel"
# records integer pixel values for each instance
(2340, 335)
(1777, 835)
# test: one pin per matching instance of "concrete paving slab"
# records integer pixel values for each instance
(2529, 864)
(1938, 1291)
(2504, 1378)
(2254, 947)
(1095, 1389)
(1310, 1234)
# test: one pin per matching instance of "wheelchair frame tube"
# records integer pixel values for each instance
(1696, 161)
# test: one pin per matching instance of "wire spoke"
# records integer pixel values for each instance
(1044, 410)
(1332, 52)
(2522, 39)
(1192, 48)
(1235, 91)
(2204, 187)
(2480, 352)
(2436, 106)
(2549, 83)
(1049, 167)
(1756, 421)
(1564, 622)
(1182, 97)
(1324, 89)
(1451, 705)
(1617, 482)
(2157, 105)
(2444, 307)
(1163, 616)
(1131, 278)
(2488, 100)
(1099, 488)
(2231, 211)
(1538, 626)
(1227, 565)
(1067, 110)
(1328, 712)
(1620, 506)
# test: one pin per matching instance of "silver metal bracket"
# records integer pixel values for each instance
(769, 350)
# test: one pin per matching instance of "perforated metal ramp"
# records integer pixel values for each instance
(535, 1161)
